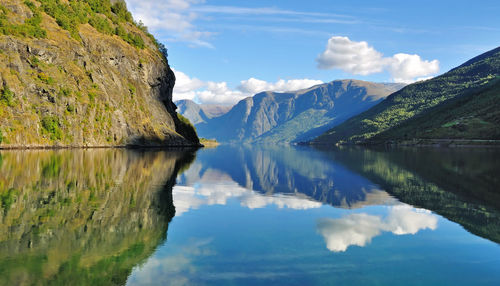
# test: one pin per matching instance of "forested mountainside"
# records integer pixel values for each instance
(472, 80)
(473, 116)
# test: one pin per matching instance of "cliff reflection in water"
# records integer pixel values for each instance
(83, 216)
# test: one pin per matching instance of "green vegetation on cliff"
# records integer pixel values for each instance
(186, 129)
(83, 73)
(100, 14)
(416, 99)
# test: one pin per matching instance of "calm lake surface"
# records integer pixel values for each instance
(250, 216)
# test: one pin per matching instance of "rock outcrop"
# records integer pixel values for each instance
(103, 83)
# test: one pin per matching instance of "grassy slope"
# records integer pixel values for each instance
(473, 116)
(416, 99)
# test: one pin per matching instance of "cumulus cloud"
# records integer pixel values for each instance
(360, 229)
(408, 68)
(362, 59)
(173, 16)
(185, 86)
(210, 92)
(350, 56)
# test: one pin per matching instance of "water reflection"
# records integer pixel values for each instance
(249, 215)
(174, 269)
(187, 197)
(82, 216)
(462, 185)
(359, 229)
(298, 172)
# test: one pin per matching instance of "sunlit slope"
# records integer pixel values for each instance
(83, 73)
(473, 116)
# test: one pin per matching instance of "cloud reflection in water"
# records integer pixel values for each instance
(192, 197)
(359, 229)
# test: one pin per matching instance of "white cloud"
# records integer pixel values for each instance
(408, 68)
(353, 57)
(219, 93)
(359, 229)
(406, 220)
(210, 92)
(362, 59)
(176, 268)
(172, 16)
(259, 11)
(204, 92)
(185, 87)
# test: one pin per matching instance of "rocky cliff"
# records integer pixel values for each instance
(83, 73)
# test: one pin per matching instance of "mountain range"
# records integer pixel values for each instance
(272, 117)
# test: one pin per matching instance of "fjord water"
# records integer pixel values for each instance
(250, 215)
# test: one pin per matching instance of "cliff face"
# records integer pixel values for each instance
(99, 82)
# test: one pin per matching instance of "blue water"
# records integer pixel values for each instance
(241, 215)
(247, 216)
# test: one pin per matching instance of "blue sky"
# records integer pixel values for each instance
(223, 50)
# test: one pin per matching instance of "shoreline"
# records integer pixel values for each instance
(440, 143)
(435, 143)
(64, 147)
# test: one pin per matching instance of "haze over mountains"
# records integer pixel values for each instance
(271, 117)
(198, 113)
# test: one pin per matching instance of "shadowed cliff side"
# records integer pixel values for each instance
(84, 217)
